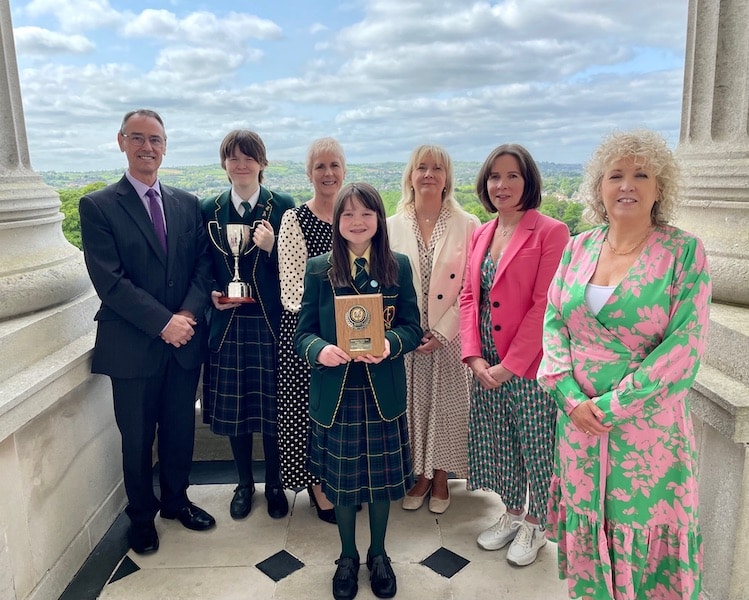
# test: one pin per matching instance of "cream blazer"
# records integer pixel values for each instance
(448, 266)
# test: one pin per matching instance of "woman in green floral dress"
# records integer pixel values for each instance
(625, 329)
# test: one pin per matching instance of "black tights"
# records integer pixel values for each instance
(241, 449)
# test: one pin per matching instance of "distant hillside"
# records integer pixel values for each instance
(290, 177)
(560, 185)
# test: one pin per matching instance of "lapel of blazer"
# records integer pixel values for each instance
(221, 210)
(133, 206)
(264, 207)
(478, 253)
(408, 244)
(221, 213)
(523, 232)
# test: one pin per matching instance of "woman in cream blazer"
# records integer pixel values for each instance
(434, 232)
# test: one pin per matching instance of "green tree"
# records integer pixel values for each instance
(69, 199)
(567, 211)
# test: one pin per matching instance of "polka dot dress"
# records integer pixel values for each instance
(302, 236)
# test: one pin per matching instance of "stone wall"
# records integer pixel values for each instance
(59, 451)
(720, 406)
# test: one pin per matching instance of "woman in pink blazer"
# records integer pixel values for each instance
(511, 262)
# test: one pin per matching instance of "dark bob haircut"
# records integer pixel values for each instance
(531, 197)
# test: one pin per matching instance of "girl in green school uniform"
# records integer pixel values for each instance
(358, 445)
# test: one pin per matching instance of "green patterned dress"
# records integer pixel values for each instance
(624, 506)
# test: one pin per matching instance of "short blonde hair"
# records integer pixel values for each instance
(650, 150)
(321, 146)
(440, 155)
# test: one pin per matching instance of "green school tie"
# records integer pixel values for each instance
(247, 211)
(361, 279)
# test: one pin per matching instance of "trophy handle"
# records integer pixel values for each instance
(217, 238)
(249, 247)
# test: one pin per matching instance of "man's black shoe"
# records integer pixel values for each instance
(345, 580)
(381, 576)
(191, 516)
(278, 505)
(143, 538)
(241, 503)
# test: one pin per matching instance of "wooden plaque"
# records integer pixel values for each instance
(359, 324)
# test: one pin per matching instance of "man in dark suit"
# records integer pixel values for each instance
(147, 255)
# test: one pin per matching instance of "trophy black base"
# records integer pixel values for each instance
(238, 300)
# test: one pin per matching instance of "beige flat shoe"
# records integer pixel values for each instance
(439, 505)
(415, 502)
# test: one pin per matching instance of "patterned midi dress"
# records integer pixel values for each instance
(438, 385)
(303, 235)
(624, 506)
(510, 428)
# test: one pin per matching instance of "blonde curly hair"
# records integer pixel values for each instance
(649, 149)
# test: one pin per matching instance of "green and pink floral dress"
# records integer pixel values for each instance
(623, 507)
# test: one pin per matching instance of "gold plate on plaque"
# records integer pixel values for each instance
(359, 324)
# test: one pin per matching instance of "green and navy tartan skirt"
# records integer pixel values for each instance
(361, 457)
(239, 383)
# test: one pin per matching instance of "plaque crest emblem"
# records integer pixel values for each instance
(358, 317)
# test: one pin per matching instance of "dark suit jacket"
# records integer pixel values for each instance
(258, 268)
(316, 329)
(139, 287)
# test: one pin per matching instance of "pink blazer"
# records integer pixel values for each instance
(518, 294)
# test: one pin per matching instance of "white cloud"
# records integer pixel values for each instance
(201, 27)
(152, 23)
(194, 68)
(554, 75)
(75, 15)
(35, 40)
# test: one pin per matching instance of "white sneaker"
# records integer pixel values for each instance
(529, 540)
(501, 533)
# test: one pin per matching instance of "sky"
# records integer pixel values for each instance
(381, 76)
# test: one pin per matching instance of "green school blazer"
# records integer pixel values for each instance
(260, 269)
(316, 329)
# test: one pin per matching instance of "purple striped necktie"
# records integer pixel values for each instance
(157, 217)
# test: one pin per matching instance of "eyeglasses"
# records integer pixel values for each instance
(136, 139)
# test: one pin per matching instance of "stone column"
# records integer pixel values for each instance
(59, 446)
(714, 144)
(714, 153)
(38, 267)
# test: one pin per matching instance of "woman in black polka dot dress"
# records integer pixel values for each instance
(305, 232)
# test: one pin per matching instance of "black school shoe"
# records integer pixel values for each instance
(382, 578)
(241, 503)
(346, 578)
(278, 505)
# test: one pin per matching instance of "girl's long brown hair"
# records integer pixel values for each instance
(383, 267)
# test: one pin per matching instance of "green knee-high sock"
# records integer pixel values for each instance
(345, 516)
(378, 524)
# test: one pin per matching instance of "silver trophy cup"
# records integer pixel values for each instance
(238, 238)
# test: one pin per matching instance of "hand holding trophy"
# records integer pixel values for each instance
(238, 238)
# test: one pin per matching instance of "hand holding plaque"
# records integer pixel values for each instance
(360, 326)
(238, 238)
